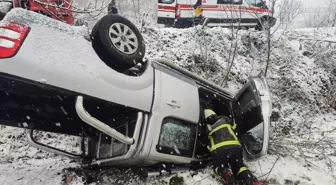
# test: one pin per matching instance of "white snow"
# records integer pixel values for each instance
(288, 168)
(5, 6)
(303, 125)
(43, 81)
(23, 16)
(25, 124)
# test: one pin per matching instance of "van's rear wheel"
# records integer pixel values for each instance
(118, 42)
(265, 23)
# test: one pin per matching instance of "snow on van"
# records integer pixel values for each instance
(225, 13)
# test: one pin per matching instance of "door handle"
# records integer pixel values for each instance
(173, 104)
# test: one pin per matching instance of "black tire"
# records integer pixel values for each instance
(103, 54)
(122, 58)
(265, 23)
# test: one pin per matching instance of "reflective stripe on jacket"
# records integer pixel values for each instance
(222, 136)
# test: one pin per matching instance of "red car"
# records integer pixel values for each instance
(57, 9)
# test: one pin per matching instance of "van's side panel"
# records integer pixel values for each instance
(175, 97)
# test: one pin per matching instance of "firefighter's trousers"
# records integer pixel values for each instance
(232, 158)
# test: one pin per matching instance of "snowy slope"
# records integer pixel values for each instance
(301, 119)
(299, 86)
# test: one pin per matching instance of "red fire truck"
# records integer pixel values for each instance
(57, 9)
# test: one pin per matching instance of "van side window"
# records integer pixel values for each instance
(229, 1)
(166, 1)
(177, 137)
(239, 2)
(224, 1)
(257, 3)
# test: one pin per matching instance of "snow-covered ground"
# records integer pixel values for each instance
(301, 75)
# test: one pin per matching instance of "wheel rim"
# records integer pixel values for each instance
(123, 38)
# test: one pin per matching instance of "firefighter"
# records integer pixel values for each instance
(198, 12)
(226, 151)
(112, 7)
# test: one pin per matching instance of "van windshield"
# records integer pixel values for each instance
(257, 3)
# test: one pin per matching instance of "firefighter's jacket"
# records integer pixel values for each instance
(198, 8)
(222, 135)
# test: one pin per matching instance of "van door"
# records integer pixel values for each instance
(166, 11)
(175, 115)
(252, 111)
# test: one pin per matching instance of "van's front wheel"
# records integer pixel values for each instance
(118, 42)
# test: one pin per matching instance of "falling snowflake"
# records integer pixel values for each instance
(25, 124)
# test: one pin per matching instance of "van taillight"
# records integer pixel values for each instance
(178, 11)
(11, 38)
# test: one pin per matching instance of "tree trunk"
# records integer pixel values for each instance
(268, 50)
